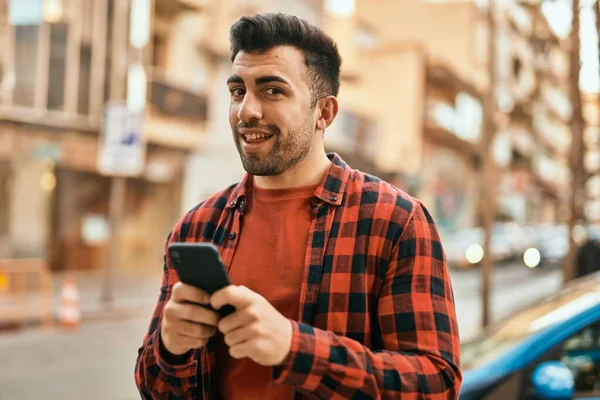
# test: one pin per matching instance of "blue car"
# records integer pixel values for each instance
(548, 351)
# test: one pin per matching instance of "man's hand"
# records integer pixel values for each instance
(187, 326)
(256, 330)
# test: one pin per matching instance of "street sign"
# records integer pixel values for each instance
(123, 149)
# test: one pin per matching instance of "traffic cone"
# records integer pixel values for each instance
(69, 314)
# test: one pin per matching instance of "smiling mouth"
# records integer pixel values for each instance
(256, 137)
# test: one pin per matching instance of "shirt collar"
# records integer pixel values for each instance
(331, 189)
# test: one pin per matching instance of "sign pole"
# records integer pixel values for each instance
(118, 183)
(123, 150)
(116, 208)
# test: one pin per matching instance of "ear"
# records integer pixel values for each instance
(328, 109)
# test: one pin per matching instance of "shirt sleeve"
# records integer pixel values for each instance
(155, 377)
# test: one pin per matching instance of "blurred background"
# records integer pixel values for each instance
(114, 122)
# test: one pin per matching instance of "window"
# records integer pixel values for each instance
(57, 67)
(26, 44)
(581, 353)
(85, 71)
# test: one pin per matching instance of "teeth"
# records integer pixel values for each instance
(255, 136)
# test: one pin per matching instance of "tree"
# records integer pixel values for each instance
(487, 206)
(577, 168)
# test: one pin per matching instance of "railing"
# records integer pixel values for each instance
(170, 100)
(26, 291)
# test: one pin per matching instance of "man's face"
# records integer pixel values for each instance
(270, 110)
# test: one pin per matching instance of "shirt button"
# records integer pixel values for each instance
(334, 198)
(232, 204)
(232, 235)
(242, 204)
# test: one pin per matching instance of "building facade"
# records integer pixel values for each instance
(61, 62)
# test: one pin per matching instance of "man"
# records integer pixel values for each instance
(339, 279)
(588, 255)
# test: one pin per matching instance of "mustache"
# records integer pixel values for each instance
(254, 124)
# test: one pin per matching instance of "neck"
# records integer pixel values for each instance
(307, 172)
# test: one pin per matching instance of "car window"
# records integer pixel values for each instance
(581, 353)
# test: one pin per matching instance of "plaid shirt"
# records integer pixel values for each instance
(377, 317)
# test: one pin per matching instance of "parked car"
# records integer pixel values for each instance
(553, 243)
(464, 247)
(550, 350)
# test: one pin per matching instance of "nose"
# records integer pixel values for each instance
(249, 109)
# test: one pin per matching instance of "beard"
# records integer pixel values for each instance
(285, 152)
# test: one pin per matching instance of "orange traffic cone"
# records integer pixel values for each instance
(69, 314)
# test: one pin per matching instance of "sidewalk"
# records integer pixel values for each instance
(133, 294)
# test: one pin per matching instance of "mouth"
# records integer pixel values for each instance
(255, 138)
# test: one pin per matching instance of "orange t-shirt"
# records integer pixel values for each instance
(269, 260)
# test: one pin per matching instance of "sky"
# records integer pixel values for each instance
(559, 16)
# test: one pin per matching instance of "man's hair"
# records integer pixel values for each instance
(262, 32)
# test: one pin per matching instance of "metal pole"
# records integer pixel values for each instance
(116, 208)
(118, 184)
(488, 185)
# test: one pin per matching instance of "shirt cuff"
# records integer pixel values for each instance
(307, 361)
(184, 370)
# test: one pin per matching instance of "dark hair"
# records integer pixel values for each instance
(262, 32)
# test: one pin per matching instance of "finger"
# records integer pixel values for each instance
(193, 313)
(242, 335)
(239, 319)
(240, 351)
(193, 330)
(187, 293)
(189, 343)
(237, 296)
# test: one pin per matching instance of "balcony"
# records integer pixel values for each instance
(453, 112)
(355, 137)
(175, 116)
(444, 81)
(171, 8)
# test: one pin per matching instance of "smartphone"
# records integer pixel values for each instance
(200, 265)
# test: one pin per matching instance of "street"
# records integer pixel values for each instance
(97, 361)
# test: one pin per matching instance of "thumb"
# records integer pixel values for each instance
(237, 296)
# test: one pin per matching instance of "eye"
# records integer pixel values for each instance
(237, 92)
(273, 91)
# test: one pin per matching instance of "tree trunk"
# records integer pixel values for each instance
(487, 207)
(577, 192)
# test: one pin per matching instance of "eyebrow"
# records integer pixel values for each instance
(259, 81)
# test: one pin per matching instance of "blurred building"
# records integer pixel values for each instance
(411, 112)
(412, 100)
(412, 105)
(533, 93)
(591, 112)
(60, 62)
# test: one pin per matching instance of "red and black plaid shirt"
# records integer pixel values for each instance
(377, 317)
